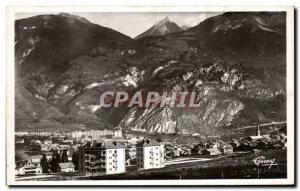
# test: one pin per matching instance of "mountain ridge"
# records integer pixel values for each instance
(214, 58)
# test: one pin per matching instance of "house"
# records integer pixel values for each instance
(45, 147)
(21, 133)
(197, 150)
(256, 137)
(66, 167)
(132, 140)
(226, 149)
(169, 151)
(150, 154)
(48, 142)
(68, 141)
(77, 134)
(213, 145)
(177, 150)
(275, 136)
(117, 133)
(211, 151)
(186, 150)
(234, 145)
(29, 168)
(64, 147)
(35, 142)
(20, 141)
(36, 158)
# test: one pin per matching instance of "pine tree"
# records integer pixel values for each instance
(64, 157)
(44, 164)
(75, 160)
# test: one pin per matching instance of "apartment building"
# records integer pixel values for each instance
(94, 134)
(150, 154)
(102, 158)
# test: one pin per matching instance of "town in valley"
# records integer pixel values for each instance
(114, 154)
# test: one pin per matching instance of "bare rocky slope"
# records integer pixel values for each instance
(235, 62)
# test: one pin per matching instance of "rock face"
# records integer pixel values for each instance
(235, 62)
(161, 28)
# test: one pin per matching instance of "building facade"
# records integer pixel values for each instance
(150, 154)
(101, 158)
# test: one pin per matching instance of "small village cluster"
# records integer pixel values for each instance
(103, 152)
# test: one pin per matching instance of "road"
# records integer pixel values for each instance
(260, 125)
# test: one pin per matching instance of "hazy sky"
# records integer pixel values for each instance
(133, 24)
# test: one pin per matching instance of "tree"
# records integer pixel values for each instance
(58, 158)
(44, 164)
(75, 160)
(54, 162)
(64, 157)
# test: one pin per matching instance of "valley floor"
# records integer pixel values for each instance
(235, 166)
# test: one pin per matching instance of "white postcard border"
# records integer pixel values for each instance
(10, 87)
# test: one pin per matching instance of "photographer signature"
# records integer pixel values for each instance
(262, 161)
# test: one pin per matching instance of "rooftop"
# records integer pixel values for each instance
(148, 143)
(66, 165)
(103, 145)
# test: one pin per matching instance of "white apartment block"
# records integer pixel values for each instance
(150, 154)
(102, 158)
(115, 159)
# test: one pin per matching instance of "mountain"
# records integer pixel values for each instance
(45, 45)
(185, 27)
(162, 27)
(235, 62)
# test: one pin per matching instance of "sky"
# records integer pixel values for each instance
(134, 23)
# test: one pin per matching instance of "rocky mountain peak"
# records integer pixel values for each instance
(164, 21)
(162, 27)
